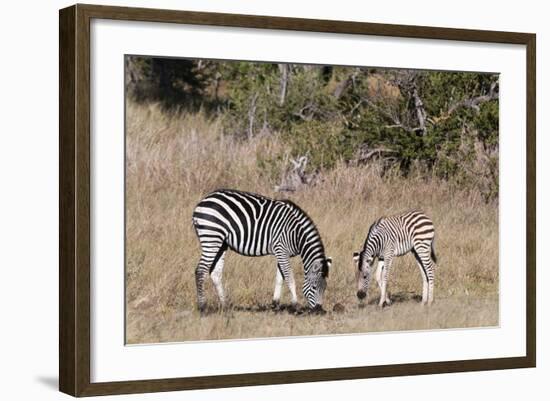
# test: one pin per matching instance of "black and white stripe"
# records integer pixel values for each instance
(254, 225)
(395, 236)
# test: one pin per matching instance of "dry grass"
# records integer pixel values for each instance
(175, 159)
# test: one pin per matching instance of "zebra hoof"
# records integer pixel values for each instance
(202, 309)
(318, 310)
(275, 305)
(293, 308)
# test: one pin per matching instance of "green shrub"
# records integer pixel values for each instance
(446, 122)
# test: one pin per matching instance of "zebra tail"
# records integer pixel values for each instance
(434, 258)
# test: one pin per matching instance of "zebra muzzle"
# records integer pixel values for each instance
(361, 294)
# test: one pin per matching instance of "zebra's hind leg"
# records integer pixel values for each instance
(421, 252)
(216, 276)
(431, 281)
(211, 253)
(201, 272)
(424, 277)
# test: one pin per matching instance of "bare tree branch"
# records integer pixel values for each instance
(420, 112)
(395, 120)
(472, 102)
(366, 154)
(296, 177)
(346, 83)
(284, 69)
(301, 113)
(252, 115)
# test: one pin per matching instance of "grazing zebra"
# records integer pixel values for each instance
(395, 236)
(253, 225)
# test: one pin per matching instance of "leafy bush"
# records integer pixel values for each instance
(445, 121)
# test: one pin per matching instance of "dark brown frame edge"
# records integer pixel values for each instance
(74, 199)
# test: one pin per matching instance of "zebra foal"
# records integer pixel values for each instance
(254, 225)
(393, 236)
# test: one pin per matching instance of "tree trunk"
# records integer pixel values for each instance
(283, 68)
(252, 116)
(420, 112)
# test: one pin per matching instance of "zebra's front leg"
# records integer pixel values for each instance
(378, 276)
(216, 276)
(388, 258)
(278, 288)
(292, 287)
(285, 269)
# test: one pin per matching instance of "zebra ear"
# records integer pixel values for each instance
(356, 257)
(329, 262)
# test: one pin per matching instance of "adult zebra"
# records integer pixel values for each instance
(254, 225)
(395, 236)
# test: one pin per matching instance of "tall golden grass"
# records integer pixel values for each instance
(174, 159)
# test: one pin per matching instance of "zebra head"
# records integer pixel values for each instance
(315, 283)
(363, 272)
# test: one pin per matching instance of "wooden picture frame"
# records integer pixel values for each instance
(74, 200)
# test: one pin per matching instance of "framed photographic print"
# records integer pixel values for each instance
(250, 200)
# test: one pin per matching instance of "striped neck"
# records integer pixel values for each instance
(373, 244)
(307, 240)
(311, 246)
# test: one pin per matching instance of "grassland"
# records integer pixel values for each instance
(173, 159)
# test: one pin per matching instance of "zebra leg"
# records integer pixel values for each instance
(431, 280)
(388, 258)
(291, 286)
(200, 275)
(431, 270)
(378, 277)
(424, 278)
(211, 253)
(278, 288)
(421, 252)
(216, 276)
(283, 263)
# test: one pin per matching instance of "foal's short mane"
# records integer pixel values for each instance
(371, 230)
(295, 206)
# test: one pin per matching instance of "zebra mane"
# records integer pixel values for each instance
(372, 228)
(294, 205)
(301, 211)
(237, 191)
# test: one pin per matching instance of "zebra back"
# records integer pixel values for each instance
(402, 229)
(252, 224)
